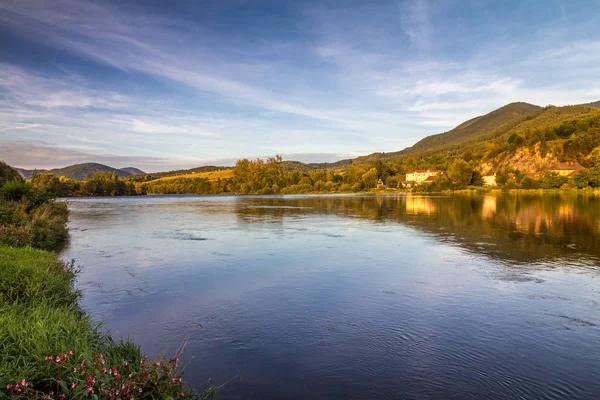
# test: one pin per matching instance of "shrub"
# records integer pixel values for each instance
(42, 227)
(15, 190)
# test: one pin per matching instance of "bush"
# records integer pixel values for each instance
(15, 190)
(42, 227)
(529, 183)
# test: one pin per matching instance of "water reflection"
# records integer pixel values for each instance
(354, 297)
(520, 227)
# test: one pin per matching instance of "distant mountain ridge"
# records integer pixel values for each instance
(81, 171)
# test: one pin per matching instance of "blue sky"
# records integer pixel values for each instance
(163, 84)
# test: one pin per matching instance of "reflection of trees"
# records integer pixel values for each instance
(513, 227)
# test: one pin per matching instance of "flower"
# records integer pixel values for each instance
(124, 363)
(70, 352)
(57, 359)
(8, 387)
(24, 382)
(48, 358)
(75, 369)
(139, 390)
(73, 385)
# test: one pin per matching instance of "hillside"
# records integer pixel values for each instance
(81, 171)
(26, 173)
(474, 131)
(132, 171)
(146, 177)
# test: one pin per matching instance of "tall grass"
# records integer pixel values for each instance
(25, 223)
(40, 318)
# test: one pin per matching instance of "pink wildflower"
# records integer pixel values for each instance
(140, 390)
(75, 369)
(73, 385)
(24, 382)
(70, 352)
(48, 358)
(8, 387)
(103, 370)
(57, 359)
(124, 363)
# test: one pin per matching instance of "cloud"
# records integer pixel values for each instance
(415, 19)
(37, 90)
(349, 79)
(44, 155)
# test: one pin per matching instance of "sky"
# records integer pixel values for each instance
(163, 85)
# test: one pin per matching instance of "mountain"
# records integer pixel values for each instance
(133, 171)
(81, 171)
(26, 173)
(476, 130)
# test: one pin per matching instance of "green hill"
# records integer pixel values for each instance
(81, 171)
(475, 131)
(145, 177)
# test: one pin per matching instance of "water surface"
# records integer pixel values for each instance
(353, 297)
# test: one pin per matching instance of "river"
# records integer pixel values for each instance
(353, 296)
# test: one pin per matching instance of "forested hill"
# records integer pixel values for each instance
(81, 171)
(476, 130)
(595, 104)
(485, 137)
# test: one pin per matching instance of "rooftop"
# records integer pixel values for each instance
(568, 166)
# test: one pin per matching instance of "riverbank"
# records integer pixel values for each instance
(50, 348)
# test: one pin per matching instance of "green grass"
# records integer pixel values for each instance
(40, 316)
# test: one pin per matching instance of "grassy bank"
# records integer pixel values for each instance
(49, 347)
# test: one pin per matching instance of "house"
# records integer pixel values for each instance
(419, 176)
(566, 168)
(489, 180)
(531, 175)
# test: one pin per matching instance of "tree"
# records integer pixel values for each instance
(461, 173)
(8, 174)
(369, 178)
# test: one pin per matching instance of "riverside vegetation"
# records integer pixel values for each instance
(49, 347)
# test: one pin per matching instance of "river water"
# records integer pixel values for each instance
(353, 297)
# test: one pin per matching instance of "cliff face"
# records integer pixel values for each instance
(522, 159)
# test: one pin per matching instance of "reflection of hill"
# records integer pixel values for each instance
(517, 228)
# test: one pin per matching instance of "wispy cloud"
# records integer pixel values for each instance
(415, 19)
(345, 79)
